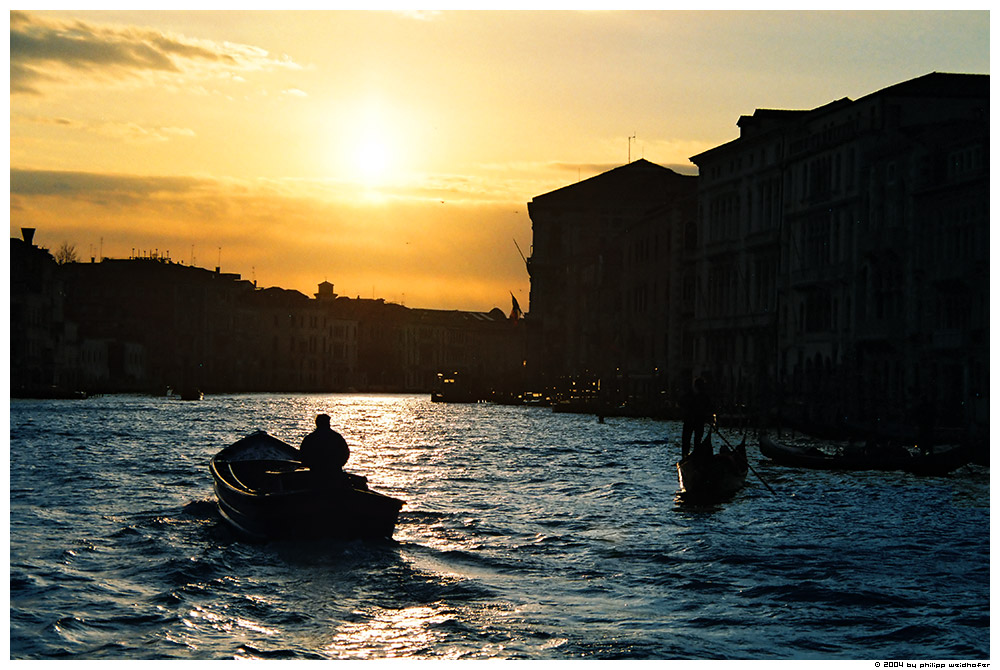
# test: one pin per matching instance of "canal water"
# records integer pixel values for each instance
(525, 535)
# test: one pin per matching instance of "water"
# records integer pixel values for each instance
(525, 535)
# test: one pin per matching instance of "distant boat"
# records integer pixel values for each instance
(705, 476)
(191, 394)
(454, 388)
(264, 492)
(48, 393)
(939, 461)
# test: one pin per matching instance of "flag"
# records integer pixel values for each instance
(515, 309)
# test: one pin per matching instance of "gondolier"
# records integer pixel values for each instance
(697, 410)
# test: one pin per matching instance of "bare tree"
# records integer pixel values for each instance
(66, 254)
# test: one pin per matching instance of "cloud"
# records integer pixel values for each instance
(98, 188)
(131, 132)
(288, 233)
(46, 51)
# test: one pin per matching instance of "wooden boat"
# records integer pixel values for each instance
(191, 393)
(940, 461)
(265, 493)
(705, 476)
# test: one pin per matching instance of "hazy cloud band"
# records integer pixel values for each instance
(43, 50)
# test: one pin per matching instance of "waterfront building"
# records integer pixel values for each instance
(735, 255)
(184, 318)
(844, 261)
(605, 262)
(148, 324)
(41, 360)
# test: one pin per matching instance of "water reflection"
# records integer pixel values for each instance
(392, 633)
(525, 534)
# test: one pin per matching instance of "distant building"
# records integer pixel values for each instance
(607, 267)
(183, 318)
(843, 266)
(148, 324)
(40, 358)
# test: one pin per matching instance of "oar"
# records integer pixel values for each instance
(719, 433)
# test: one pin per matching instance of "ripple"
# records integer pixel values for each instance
(525, 535)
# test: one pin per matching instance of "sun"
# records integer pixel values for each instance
(373, 159)
(368, 144)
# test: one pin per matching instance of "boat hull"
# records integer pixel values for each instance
(265, 493)
(938, 462)
(705, 477)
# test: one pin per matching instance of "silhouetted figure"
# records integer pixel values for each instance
(697, 410)
(324, 451)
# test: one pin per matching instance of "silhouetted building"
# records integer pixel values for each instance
(42, 346)
(485, 348)
(148, 324)
(606, 267)
(183, 317)
(836, 266)
(843, 262)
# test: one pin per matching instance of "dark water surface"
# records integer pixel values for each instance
(525, 535)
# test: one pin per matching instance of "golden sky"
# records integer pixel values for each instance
(392, 153)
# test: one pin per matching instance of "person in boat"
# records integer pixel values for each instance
(324, 451)
(697, 410)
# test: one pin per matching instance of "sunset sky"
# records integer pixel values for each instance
(393, 153)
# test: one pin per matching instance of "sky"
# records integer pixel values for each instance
(393, 153)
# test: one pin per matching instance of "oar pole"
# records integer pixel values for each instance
(719, 433)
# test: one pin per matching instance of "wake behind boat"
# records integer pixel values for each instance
(265, 493)
(705, 476)
(939, 461)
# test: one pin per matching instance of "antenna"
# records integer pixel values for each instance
(522, 254)
(630, 138)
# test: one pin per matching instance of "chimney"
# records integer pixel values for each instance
(28, 234)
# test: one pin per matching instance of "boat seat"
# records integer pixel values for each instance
(287, 472)
(291, 480)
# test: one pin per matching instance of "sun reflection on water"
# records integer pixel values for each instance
(200, 616)
(393, 633)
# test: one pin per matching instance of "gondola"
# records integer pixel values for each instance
(939, 461)
(265, 493)
(705, 476)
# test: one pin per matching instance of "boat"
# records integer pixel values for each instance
(705, 476)
(191, 393)
(265, 492)
(455, 389)
(48, 393)
(939, 461)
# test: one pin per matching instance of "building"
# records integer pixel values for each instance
(41, 360)
(184, 318)
(606, 264)
(843, 262)
(149, 324)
